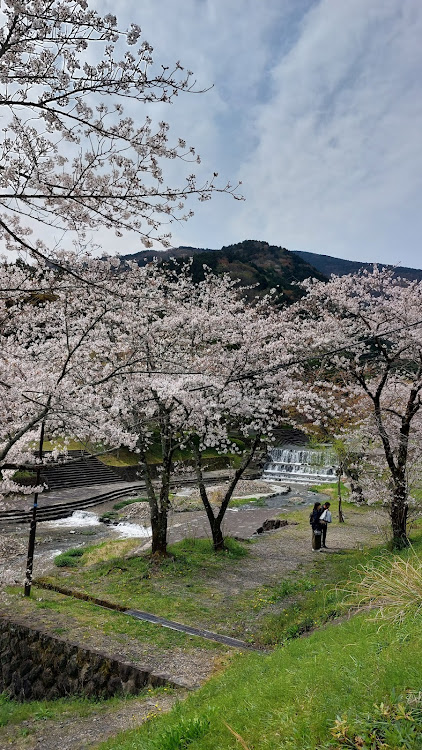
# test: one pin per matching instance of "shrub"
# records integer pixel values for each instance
(69, 559)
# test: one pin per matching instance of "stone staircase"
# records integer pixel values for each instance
(83, 470)
(63, 510)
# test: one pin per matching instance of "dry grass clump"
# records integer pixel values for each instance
(393, 588)
(109, 550)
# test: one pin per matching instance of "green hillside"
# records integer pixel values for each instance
(252, 262)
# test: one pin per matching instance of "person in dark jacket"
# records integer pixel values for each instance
(316, 526)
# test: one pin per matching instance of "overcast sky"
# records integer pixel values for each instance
(316, 107)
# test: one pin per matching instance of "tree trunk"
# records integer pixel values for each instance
(399, 506)
(158, 506)
(216, 521)
(215, 526)
(159, 533)
(398, 514)
(217, 536)
(340, 510)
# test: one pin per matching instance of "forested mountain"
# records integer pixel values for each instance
(328, 265)
(254, 263)
(264, 266)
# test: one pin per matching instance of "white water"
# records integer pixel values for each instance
(128, 530)
(304, 465)
(78, 518)
(86, 518)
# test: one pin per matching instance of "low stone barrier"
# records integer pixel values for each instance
(271, 524)
(35, 665)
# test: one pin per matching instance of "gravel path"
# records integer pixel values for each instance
(75, 733)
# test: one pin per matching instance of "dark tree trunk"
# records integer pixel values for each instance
(158, 501)
(159, 533)
(340, 510)
(399, 505)
(33, 527)
(217, 536)
(398, 514)
(216, 521)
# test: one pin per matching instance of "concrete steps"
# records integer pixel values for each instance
(84, 470)
(63, 510)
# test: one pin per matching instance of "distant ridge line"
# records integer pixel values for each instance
(329, 264)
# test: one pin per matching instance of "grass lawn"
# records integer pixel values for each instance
(289, 699)
(331, 490)
(187, 586)
(125, 457)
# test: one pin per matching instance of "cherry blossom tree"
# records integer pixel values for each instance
(49, 327)
(184, 367)
(249, 402)
(71, 156)
(364, 334)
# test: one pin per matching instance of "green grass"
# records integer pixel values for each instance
(69, 559)
(185, 587)
(122, 503)
(287, 699)
(81, 616)
(331, 490)
(320, 597)
(291, 698)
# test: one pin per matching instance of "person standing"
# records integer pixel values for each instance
(325, 519)
(314, 520)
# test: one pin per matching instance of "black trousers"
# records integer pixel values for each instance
(324, 533)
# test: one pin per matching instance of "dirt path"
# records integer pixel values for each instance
(76, 733)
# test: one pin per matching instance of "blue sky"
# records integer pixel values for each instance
(315, 106)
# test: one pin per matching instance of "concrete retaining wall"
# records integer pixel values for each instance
(36, 665)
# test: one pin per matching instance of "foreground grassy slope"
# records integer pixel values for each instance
(291, 698)
(286, 699)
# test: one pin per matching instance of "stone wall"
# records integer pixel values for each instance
(36, 665)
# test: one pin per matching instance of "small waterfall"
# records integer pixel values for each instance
(307, 465)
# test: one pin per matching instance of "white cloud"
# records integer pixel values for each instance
(338, 158)
(317, 107)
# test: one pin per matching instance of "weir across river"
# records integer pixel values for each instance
(297, 464)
